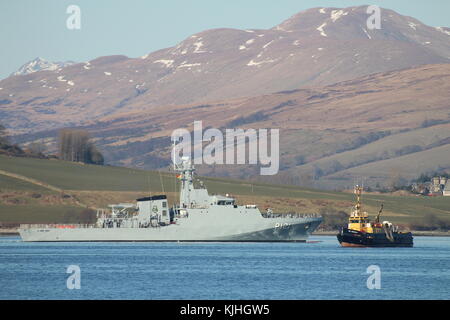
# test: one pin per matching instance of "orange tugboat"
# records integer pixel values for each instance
(361, 232)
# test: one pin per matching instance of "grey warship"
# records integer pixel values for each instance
(199, 216)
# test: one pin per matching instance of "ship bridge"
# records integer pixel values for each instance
(191, 197)
(222, 200)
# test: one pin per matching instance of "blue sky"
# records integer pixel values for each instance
(32, 28)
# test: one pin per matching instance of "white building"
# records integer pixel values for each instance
(446, 191)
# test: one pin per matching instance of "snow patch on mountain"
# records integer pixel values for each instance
(320, 29)
(441, 29)
(40, 64)
(167, 63)
(268, 44)
(336, 14)
(197, 46)
(253, 63)
(188, 65)
(367, 34)
(412, 25)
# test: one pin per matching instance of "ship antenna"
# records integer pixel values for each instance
(161, 179)
(173, 156)
(358, 200)
(175, 182)
(148, 183)
(360, 195)
(175, 179)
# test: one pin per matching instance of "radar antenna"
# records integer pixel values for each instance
(377, 220)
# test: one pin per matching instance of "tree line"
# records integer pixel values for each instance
(3, 139)
(75, 145)
(6, 147)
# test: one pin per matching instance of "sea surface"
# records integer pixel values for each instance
(320, 269)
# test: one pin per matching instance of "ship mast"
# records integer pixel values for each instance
(358, 192)
(186, 170)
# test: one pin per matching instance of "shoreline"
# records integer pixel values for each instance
(15, 232)
(415, 233)
(9, 232)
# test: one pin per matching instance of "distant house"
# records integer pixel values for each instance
(446, 191)
(438, 184)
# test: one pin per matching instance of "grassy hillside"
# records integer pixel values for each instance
(406, 166)
(10, 183)
(81, 186)
(406, 154)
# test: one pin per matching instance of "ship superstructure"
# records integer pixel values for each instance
(198, 216)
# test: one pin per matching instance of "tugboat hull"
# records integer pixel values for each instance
(353, 238)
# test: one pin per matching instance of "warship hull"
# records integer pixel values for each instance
(266, 231)
(353, 238)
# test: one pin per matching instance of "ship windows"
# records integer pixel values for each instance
(359, 221)
(164, 204)
(164, 213)
(225, 203)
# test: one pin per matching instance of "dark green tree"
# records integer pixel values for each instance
(75, 145)
(3, 138)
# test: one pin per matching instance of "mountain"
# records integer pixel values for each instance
(350, 102)
(316, 47)
(387, 127)
(40, 64)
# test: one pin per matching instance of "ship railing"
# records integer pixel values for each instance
(57, 226)
(290, 215)
(200, 206)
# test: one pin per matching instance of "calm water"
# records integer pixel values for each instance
(321, 270)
